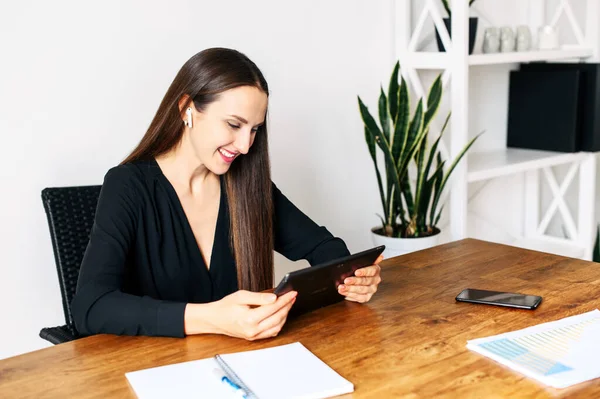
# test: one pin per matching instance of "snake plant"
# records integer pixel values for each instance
(410, 206)
(449, 10)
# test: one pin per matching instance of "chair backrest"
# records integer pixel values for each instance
(70, 212)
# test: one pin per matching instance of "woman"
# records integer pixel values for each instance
(186, 226)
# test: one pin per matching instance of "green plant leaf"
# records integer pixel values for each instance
(420, 185)
(399, 136)
(426, 197)
(401, 122)
(434, 99)
(384, 119)
(413, 142)
(403, 169)
(403, 173)
(407, 193)
(393, 96)
(437, 219)
(436, 182)
(415, 128)
(424, 200)
(371, 145)
(433, 102)
(382, 221)
(383, 144)
(438, 173)
(433, 151)
(370, 139)
(392, 195)
(394, 198)
(458, 158)
(436, 186)
(368, 119)
(451, 169)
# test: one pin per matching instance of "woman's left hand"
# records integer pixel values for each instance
(362, 286)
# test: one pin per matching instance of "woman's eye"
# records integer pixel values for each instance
(255, 130)
(231, 125)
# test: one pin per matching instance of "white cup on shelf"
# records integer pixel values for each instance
(507, 39)
(491, 40)
(523, 38)
(548, 38)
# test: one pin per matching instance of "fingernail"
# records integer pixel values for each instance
(342, 287)
(272, 298)
(347, 281)
(358, 273)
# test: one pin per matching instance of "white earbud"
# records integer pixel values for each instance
(188, 112)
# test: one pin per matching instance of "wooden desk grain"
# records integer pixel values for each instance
(409, 341)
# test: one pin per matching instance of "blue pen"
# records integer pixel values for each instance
(223, 377)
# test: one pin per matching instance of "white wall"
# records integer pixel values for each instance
(80, 81)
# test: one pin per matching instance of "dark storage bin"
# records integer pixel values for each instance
(589, 98)
(543, 112)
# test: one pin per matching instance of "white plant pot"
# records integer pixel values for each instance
(400, 246)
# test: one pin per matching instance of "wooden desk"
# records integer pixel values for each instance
(409, 341)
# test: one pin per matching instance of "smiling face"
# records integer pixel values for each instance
(227, 127)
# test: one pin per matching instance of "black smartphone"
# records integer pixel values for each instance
(508, 299)
(317, 285)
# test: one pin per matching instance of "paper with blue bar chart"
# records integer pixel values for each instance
(559, 353)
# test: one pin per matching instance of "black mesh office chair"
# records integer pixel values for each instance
(70, 212)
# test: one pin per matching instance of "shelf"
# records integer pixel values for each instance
(434, 60)
(487, 165)
(552, 245)
(529, 56)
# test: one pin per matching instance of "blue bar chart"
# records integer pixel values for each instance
(560, 353)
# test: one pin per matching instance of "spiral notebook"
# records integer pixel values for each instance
(286, 371)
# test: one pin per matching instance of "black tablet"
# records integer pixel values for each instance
(317, 285)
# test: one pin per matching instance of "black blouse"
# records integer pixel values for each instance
(143, 265)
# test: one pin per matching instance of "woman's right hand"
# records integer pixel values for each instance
(253, 315)
(243, 314)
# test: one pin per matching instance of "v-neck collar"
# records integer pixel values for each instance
(190, 232)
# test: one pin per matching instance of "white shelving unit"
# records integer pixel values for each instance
(535, 165)
(488, 165)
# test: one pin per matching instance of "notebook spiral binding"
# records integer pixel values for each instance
(234, 377)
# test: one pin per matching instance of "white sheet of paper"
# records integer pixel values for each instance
(559, 353)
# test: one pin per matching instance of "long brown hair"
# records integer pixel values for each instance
(248, 181)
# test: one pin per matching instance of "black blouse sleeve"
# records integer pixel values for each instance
(298, 237)
(100, 305)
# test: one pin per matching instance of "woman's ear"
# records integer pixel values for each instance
(183, 103)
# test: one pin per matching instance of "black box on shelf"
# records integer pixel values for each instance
(589, 98)
(543, 111)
